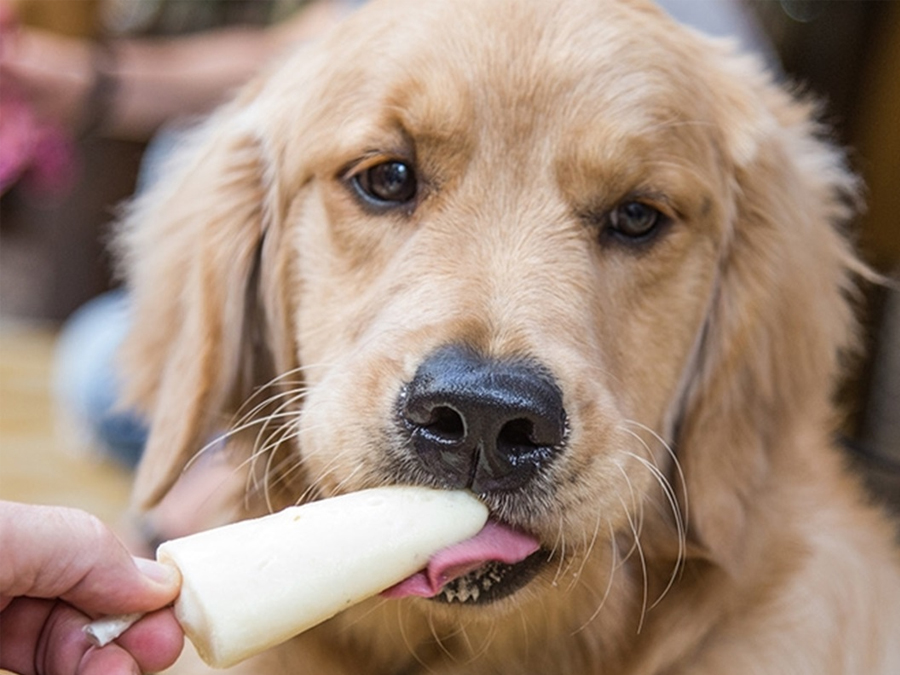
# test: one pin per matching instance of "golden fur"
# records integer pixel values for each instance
(700, 519)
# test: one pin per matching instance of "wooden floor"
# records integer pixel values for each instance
(42, 460)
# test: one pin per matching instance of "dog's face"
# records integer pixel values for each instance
(501, 274)
(560, 254)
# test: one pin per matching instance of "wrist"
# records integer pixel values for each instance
(98, 108)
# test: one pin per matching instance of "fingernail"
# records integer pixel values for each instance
(162, 574)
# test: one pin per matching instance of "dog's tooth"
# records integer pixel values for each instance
(253, 584)
(465, 591)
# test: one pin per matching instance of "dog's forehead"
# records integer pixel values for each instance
(530, 80)
(516, 56)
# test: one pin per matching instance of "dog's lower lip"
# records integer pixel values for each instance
(493, 581)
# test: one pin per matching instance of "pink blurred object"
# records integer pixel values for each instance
(40, 155)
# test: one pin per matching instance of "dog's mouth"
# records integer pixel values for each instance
(493, 564)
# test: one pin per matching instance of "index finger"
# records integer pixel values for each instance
(50, 552)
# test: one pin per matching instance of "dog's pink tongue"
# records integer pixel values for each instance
(495, 542)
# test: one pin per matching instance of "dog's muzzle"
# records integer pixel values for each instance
(492, 426)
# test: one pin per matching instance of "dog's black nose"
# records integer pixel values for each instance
(482, 423)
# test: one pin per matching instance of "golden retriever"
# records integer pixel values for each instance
(571, 256)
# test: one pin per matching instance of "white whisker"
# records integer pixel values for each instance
(588, 551)
(645, 578)
(675, 462)
(672, 499)
(609, 582)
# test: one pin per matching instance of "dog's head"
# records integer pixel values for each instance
(568, 255)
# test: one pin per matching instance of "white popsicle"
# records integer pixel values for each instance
(254, 584)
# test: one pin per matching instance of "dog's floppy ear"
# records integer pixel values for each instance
(194, 249)
(780, 316)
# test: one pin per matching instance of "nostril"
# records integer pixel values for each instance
(446, 424)
(516, 434)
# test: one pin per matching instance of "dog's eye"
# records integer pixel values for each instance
(389, 184)
(635, 221)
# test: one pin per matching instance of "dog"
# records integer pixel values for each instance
(573, 257)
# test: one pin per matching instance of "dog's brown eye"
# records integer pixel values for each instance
(635, 220)
(387, 184)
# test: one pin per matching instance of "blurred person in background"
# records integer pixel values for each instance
(129, 87)
(55, 88)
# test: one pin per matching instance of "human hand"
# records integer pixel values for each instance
(59, 569)
(52, 72)
(44, 82)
